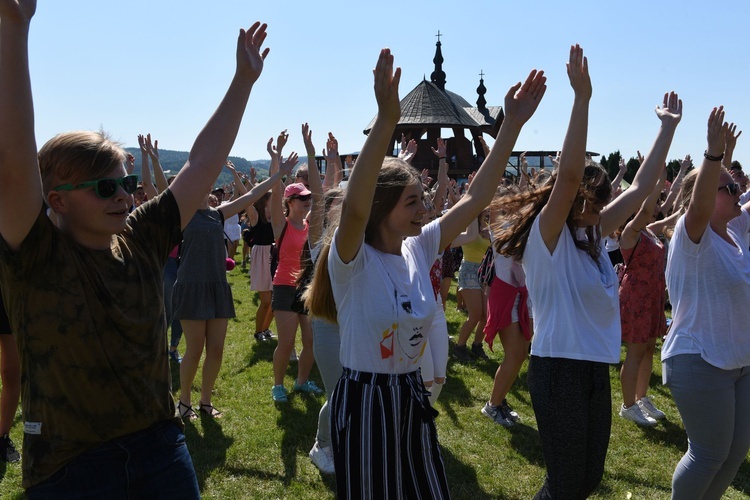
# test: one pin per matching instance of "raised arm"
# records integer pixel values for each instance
(628, 202)
(214, 142)
(277, 193)
(21, 195)
(153, 152)
(523, 181)
(239, 186)
(468, 235)
(632, 231)
(249, 197)
(317, 212)
(572, 161)
(703, 199)
(355, 210)
(441, 190)
(674, 189)
(521, 102)
(620, 174)
(333, 163)
(148, 184)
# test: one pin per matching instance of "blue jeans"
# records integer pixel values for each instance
(714, 405)
(153, 463)
(326, 347)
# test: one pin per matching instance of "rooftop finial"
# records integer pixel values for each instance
(438, 76)
(481, 90)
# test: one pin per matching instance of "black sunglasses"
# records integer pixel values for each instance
(105, 188)
(732, 188)
(305, 197)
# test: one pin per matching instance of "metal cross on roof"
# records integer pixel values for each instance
(481, 73)
(439, 35)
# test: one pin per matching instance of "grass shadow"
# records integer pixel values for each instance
(209, 451)
(525, 440)
(299, 428)
(463, 481)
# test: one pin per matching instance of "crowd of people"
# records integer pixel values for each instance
(359, 268)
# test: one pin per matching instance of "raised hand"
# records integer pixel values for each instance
(17, 11)
(230, 166)
(407, 154)
(485, 147)
(717, 132)
(331, 151)
(671, 110)
(287, 165)
(386, 87)
(732, 136)
(281, 141)
(425, 174)
(521, 101)
(578, 72)
(640, 157)
(142, 144)
(441, 148)
(249, 56)
(130, 163)
(555, 160)
(273, 152)
(253, 175)
(153, 149)
(307, 138)
(686, 163)
(624, 166)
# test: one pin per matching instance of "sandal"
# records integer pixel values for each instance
(209, 410)
(186, 411)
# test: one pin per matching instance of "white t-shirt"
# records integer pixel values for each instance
(709, 287)
(385, 303)
(232, 226)
(576, 303)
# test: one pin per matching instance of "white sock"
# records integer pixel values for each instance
(435, 392)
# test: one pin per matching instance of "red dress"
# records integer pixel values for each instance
(642, 290)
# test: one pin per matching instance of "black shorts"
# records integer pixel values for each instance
(287, 298)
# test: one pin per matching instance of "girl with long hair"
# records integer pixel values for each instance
(373, 279)
(289, 211)
(556, 229)
(258, 220)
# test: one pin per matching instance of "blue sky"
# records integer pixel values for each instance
(162, 66)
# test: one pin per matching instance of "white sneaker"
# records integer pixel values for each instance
(635, 414)
(322, 458)
(648, 408)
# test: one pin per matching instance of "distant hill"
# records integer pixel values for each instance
(172, 162)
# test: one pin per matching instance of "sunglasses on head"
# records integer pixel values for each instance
(732, 188)
(305, 197)
(105, 188)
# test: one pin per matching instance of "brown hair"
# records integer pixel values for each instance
(78, 156)
(394, 176)
(521, 208)
(686, 191)
(260, 207)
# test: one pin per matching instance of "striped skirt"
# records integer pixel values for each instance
(384, 438)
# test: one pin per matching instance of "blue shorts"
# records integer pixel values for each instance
(468, 277)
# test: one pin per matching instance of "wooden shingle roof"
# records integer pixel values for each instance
(427, 105)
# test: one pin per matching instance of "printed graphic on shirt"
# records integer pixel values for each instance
(386, 345)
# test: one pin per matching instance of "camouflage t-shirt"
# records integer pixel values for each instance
(91, 335)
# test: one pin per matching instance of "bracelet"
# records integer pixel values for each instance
(441, 158)
(712, 158)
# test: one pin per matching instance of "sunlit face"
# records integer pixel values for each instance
(406, 217)
(727, 204)
(92, 220)
(300, 204)
(139, 197)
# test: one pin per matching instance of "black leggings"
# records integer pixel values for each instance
(573, 407)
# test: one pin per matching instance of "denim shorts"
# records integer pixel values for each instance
(467, 276)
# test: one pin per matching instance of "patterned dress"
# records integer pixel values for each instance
(642, 290)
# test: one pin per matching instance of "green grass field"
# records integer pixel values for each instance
(259, 450)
